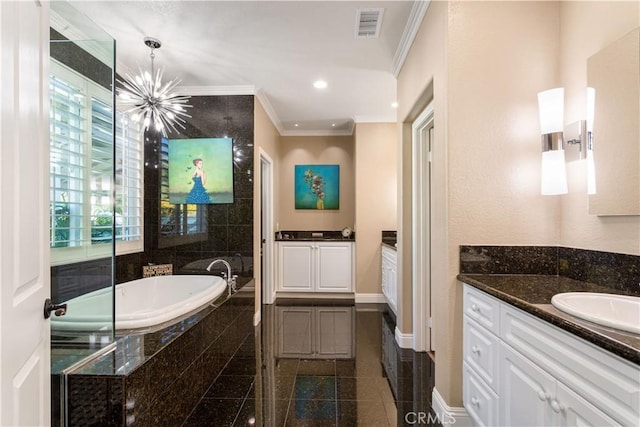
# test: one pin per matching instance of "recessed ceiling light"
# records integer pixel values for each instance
(394, 105)
(333, 124)
(320, 84)
(296, 125)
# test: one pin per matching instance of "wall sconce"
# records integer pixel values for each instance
(551, 108)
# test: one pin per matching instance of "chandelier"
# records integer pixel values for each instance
(152, 103)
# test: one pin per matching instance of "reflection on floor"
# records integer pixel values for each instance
(320, 364)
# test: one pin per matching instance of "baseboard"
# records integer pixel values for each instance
(257, 318)
(404, 340)
(447, 415)
(362, 298)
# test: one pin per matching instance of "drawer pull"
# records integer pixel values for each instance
(475, 401)
(542, 395)
(475, 350)
(474, 307)
(557, 408)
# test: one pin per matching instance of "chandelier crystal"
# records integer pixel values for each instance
(152, 102)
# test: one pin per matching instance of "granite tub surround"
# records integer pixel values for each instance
(533, 293)
(157, 378)
(313, 235)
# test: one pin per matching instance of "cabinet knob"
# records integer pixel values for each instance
(557, 407)
(475, 401)
(475, 349)
(474, 307)
(542, 395)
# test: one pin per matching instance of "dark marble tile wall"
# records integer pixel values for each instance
(155, 392)
(612, 270)
(229, 226)
(617, 271)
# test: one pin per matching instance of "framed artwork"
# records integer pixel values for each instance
(317, 187)
(200, 171)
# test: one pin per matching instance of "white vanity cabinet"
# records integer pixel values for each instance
(316, 332)
(389, 276)
(315, 267)
(521, 370)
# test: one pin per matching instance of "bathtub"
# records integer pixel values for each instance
(140, 303)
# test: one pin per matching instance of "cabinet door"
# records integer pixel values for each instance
(334, 332)
(525, 391)
(334, 267)
(295, 332)
(296, 267)
(573, 410)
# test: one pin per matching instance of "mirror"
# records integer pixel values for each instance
(614, 73)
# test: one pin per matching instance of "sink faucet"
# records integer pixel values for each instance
(231, 280)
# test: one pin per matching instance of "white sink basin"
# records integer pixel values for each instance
(616, 311)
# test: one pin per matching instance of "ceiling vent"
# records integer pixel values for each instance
(368, 23)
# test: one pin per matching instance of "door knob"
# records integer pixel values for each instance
(58, 309)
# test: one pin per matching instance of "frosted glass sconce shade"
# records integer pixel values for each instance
(551, 108)
(554, 175)
(591, 166)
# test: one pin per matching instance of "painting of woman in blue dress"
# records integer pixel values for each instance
(199, 170)
(198, 193)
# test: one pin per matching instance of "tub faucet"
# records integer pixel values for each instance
(231, 280)
(238, 255)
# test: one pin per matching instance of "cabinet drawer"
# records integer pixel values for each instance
(482, 308)
(479, 400)
(480, 351)
(603, 379)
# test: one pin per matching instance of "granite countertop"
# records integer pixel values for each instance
(313, 236)
(390, 244)
(532, 293)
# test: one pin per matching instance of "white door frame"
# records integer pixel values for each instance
(266, 224)
(25, 353)
(421, 228)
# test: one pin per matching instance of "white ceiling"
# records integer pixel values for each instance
(274, 49)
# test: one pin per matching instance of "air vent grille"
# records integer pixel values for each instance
(368, 23)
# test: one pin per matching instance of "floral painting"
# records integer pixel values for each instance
(317, 186)
(200, 170)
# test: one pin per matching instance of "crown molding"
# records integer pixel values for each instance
(376, 119)
(348, 132)
(416, 16)
(271, 112)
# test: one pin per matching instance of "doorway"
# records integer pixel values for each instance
(421, 152)
(266, 229)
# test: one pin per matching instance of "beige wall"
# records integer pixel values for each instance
(297, 150)
(583, 33)
(487, 152)
(376, 174)
(265, 140)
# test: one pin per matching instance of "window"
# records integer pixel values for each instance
(179, 224)
(81, 172)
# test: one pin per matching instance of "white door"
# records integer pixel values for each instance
(24, 253)
(266, 226)
(422, 137)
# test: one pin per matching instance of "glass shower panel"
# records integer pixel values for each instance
(82, 192)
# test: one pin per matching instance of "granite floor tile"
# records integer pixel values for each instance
(274, 391)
